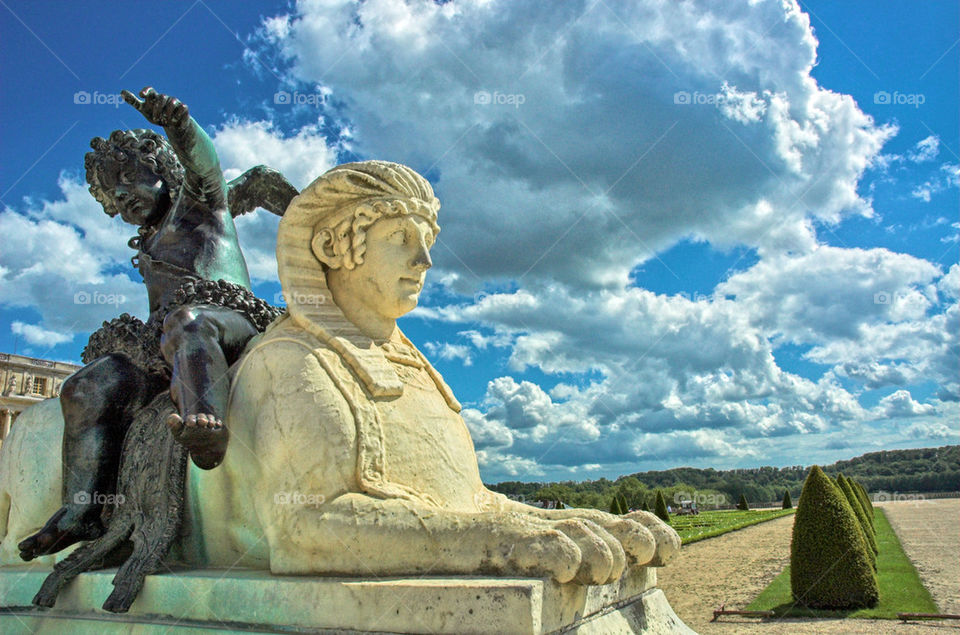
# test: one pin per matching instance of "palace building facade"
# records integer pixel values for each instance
(25, 381)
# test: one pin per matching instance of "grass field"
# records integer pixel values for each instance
(901, 590)
(708, 524)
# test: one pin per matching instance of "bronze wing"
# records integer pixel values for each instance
(259, 187)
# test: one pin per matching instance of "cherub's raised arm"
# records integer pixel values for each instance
(203, 179)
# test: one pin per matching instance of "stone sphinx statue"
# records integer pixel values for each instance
(348, 451)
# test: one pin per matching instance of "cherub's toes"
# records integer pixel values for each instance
(191, 421)
(175, 423)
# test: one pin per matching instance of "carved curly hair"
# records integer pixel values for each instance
(129, 146)
(348, 199)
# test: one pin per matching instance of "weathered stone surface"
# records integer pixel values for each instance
(30, 478)
(259, 602)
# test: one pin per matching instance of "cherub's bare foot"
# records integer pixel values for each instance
(66, 527)
(204, 436)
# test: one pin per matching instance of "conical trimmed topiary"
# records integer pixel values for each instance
(864, 497)
(787, 503)
(861, 515)
(644, 506)
(829, 564)
(615, 507)
(848, 487)
(660, 508)
(742, 503)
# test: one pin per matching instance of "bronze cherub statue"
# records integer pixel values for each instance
(202, 312)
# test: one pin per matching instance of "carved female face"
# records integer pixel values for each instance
(138, 192)
(389, 280)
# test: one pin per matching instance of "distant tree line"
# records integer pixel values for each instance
(922, 470)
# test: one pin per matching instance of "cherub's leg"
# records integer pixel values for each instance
(98, 403)
(200, 343)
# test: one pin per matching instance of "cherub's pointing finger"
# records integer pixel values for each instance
(131, 99)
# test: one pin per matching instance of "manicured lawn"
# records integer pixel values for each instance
(708, 524)
(900, 588)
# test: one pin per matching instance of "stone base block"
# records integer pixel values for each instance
(255, 601)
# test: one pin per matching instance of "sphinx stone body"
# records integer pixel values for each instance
(349, 453)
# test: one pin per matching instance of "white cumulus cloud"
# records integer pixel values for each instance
(926, 149)
(564, 152)
(901, 404)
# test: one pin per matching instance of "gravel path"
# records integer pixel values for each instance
(929, 531)
(733, 568)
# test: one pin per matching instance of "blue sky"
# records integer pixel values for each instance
(673, 233)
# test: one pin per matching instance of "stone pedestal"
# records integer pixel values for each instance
(254, 601)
